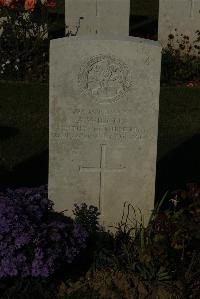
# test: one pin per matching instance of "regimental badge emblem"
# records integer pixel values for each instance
(104, 78)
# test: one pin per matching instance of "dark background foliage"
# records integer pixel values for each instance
(160, 261)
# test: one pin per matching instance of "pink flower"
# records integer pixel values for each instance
(190, 84)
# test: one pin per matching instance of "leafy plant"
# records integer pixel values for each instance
(87, 217)
(181, 59)
(29, 288)
(160, 261)
(34, 240)
(24, 42)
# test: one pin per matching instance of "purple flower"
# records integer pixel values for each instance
(8, 267)
(34, 240)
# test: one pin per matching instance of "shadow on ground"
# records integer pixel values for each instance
(7, 132)
(31, 173)
(179, 167)
(174, 171)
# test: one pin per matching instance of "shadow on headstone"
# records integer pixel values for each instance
(144, 27)
(178, 168)
(144, 18)
(31, 173)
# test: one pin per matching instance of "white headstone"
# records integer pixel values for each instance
(178, 17)
(102, 17)
(104, 102)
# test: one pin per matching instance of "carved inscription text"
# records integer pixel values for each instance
(104, 125)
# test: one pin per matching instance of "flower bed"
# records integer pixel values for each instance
(34, 241)
(24, 42)
(159, 261)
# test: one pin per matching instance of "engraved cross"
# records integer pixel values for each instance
(97, 12)
(191, 8)
(96, 8)
(101, 170)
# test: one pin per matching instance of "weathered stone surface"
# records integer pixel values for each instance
(97, 17)
(104, 102)
(178, 17)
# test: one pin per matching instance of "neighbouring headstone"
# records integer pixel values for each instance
(102, 17)
(104, 102)
(178, 17)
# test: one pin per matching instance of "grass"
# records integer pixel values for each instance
(179, 117)
(24, 126)
(23, 121)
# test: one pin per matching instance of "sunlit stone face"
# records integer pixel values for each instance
(104, 100)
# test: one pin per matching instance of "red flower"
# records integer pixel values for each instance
(3, 3)
(30, 4)
(9, 3)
